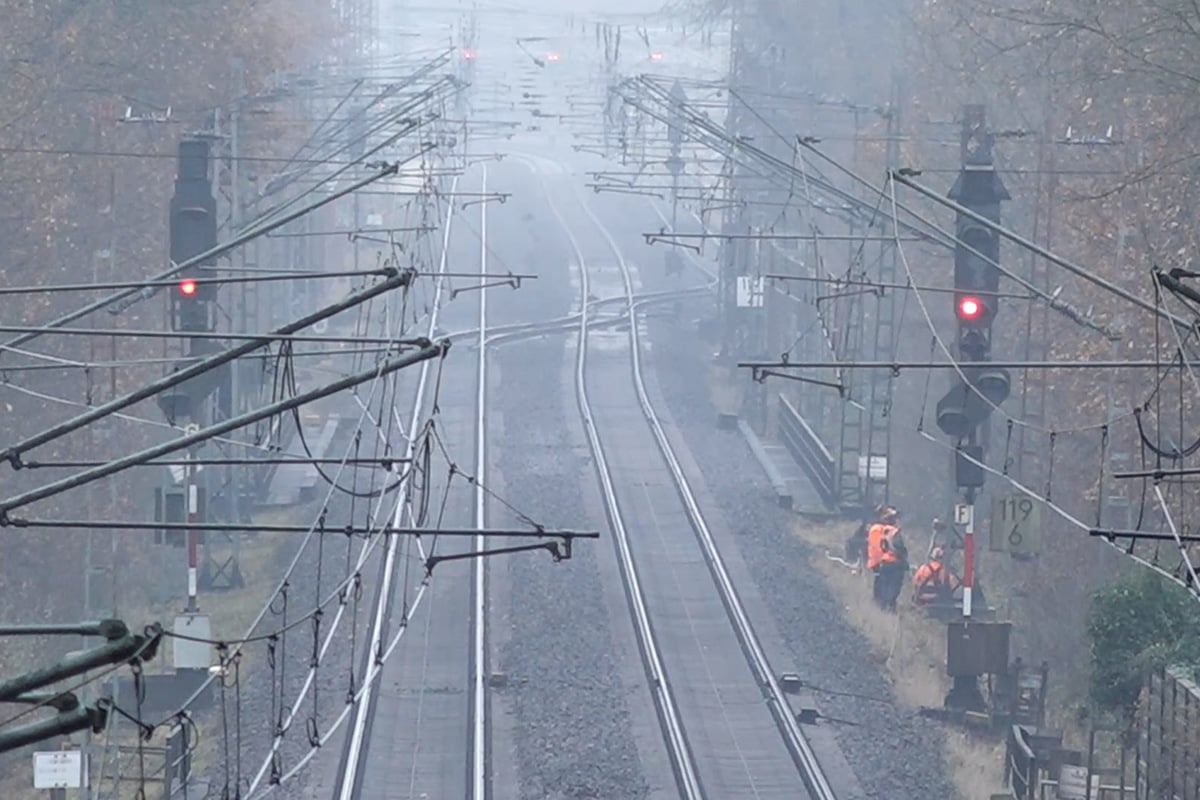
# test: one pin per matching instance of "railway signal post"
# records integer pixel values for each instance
(978, 388)
(193, 230)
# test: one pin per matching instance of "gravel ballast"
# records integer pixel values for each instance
(573, 729)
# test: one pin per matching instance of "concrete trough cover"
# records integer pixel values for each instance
(791, 683)
(498, 680)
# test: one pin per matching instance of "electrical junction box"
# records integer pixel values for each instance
(977, 648)
(190, 654)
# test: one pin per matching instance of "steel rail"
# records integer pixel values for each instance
(479, 721)
(686, 775)
(349, 779)
(810, 769)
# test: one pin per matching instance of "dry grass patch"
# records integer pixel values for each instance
(911, 649)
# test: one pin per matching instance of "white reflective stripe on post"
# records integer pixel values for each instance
(191, 582)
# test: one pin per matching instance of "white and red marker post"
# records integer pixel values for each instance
(968, 555)
(192, 498)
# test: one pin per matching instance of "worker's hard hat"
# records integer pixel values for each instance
(890, 512)
(937, 553)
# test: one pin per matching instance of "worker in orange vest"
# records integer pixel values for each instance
(888, 518)
(893, 567)
(877, 534)
(933, 582)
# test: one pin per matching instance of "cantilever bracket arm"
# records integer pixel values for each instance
(560, 549)
(553, 547)
(501, 197)
(825, 298)
(110, 629)
(609, 179)
(362, 237)
(760, 375)
(59, 701)
(666, 238)
(1113, 535)
(511, 279)
(618, 190)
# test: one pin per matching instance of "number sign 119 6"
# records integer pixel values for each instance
(1016, 525)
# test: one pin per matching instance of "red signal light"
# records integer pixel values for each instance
(969, 307)
(187, 286)
(656, 55)
(552, 56)
(468, 54)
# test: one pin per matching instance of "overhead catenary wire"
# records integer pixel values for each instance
(959, 370)
(289, 275)
(354, 693)
(13, 452)
(1074, 269)
(1057, 509)
(197, 260)
(93, 678)
(49, 490)
(364, 553)
(376, 382)
(916, 295)
(949, 239)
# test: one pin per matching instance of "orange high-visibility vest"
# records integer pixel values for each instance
(929, 580)
(875, 544)
(887, 550)
(875, 536)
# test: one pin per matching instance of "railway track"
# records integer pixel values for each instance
(479, 701)
(349, 784)
(675, 734)
(687, 772)
(351, 768)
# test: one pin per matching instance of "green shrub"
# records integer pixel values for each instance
(1136, 625)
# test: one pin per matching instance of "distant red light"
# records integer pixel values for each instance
(656, 55)
(187, 286)
(468, 54)
(552, 56)
(969, 307)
